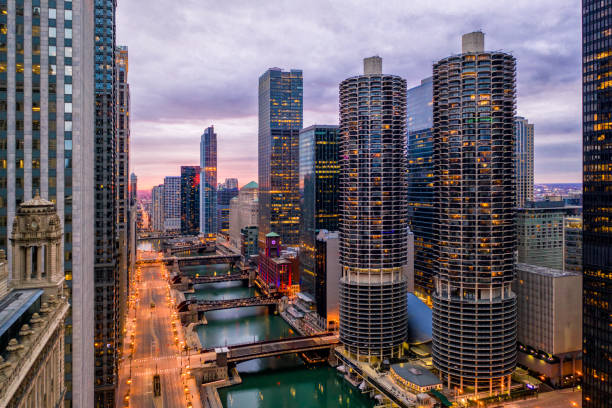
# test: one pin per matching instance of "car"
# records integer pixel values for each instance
(152, 305)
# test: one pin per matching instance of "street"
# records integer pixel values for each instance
(559, 399)
(155, 344)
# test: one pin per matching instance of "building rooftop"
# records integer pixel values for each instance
(14, 305)
(313, 127)
(415, 374)
(544, 271)
(251, 185)
(272, 235)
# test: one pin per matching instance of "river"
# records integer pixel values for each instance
(278, 382)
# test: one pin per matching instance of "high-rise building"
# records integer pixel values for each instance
(172, 203)
(244, 210)
(373, 213)
(421, 185)
(550, 316)
(573, 244)
(133, 188)
(541, 232)
(280, 121)
(157, 201)
(208, 182)
(597, 203)
(248, 241)
(106, 267)
(523, 156)
(225, 194)
(47, 145)
(328, 272)
(319, 179)
(190, 200)
(474, 308)
(231, 183)
(127, 250)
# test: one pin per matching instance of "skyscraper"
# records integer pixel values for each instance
(540, 233)
(225, 193)
(597, 199)
(319, 179)
(47, 144)
(421, 185)
(106, 267)
(157, 202)
(280, 121)
(373, 213)
(474, 308)
(172, 203)
(243, 212)
(523, 150)
(133, 188)
(231, 183)
(208, 182)
(190, 200)
(126, 248)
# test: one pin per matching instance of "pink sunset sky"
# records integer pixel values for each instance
(196, 63)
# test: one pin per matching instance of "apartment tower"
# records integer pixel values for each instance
(373, 213)
(474, 308)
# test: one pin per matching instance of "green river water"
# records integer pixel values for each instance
(278, 382)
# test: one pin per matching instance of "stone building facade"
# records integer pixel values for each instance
(33, 309)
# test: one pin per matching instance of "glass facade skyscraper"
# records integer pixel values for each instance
(190, 200)
(46, 145)
(225, 193)
(280, 121)
(208, 182)
(597, 203)
(319, 182)
(524, 161)
(474, 308)
(106, 268)
(373, 214)
(421, 185)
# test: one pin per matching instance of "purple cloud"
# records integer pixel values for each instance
(195, 63)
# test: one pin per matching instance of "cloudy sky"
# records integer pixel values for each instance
(196, 63)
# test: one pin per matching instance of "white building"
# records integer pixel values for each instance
(244, 210)
(157, 214)
(172, 203)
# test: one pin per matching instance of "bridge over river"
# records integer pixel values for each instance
(191, 310)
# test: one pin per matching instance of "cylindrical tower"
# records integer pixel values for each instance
(474, 309)
(373, 208)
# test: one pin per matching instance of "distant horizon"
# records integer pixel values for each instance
(145, 192)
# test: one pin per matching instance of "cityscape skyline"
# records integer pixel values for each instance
(422, 233)
(170, 116)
